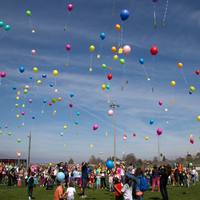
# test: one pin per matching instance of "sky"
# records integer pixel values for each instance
(177, 41)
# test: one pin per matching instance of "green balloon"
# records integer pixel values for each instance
(19, 140)
(25, 91)
(122, 61)
(53, 100)
(190, 164)
(7, 27)
(192, 88)
(9, 133)
(28, 13)
(103, 66)
(16, 105)
(107, 86)
(10, 167)
(78, 113)
(1, 24)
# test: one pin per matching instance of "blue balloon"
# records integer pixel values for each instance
(109, 164)
(44, 75)
(51, 84)
(124, 15)
(14, 88)
(75, 166)
(102, 36)
(72, 94)
(44, 101)
(76, 122)
(60, 176)
(170, 164)
(141, 61)
(21, 69)
(151, 121)
(0, 127)
(31, 77)
(33, 117)
(61, 134)
(190, 92)
(175, 164)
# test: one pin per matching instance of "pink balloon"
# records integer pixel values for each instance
(110, 112)
(23, 113)
(70, 7)
(35, 169)
(33, 52)
(18, 155)
(159, 131)
(95, 127)
(3, 74)
(160, 103)
(68, 47)
(126, 49)
(27, 87)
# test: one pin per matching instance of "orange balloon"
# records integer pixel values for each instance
(59, 98)
(180, 65)
(113, 49)
(117, 27)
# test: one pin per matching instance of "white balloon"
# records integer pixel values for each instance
(124, 138)
(19, 154)
(166, 110)
(110, 112)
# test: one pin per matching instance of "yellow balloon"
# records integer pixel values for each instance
(173, 83)
(103, 87)
(146, 138)
(99, 153)
(117, 27)
(39, 81)
(50, 164)
(92, 48)
(35, 69)
(17, 98)
(65, 127)
(17, 116)
(55, 72)
(0, 132)
(198, 118)
(115, 57)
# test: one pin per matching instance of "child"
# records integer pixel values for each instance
(187, 179)
(98, 180)
(91, 181)
(111, 186)
(31, 182)
(20, 178)
(197, 176)
(71, 179)
(172, 178)
(36, 177)
(26, 177)
(118, 188)
(70, 191)
(42, 180)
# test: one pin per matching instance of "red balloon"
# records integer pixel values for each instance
(70, 105)
(109, 76)
(197, 72)
(191, 141)
(125, 135)
(50, 104)
(134, 134)
(154, 50)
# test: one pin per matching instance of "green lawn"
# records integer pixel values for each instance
(40, 193)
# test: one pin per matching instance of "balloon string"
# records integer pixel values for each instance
(30, 23)
(43, 108)
(145, 71)
(67, 56)
(165, 15)
(154, 7)
(91, 61)
(55, 81)
(113, 7)
(100, 47)
(67, 21)
(173, 94)
(183, 76)
(118, 38)
(121, 33)
(153, 76)
(124, 68)
(3, 35)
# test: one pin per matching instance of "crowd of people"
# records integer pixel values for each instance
(125, 182)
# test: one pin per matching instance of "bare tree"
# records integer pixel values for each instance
(130, 158)
(71, 161)
(155, 159)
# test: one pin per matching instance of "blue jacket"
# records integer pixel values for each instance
(136, 180)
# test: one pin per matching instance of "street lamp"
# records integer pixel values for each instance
(113, 105)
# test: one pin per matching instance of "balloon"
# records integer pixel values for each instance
(72, 94)
(33, 52)
(70, 105)
(7, 27)
(110, 112)
(180, 65)
(53, 100)
(113, 49)
(198, 118)
(151, 121)
(197, 72)
(50, 164)
(109, 164)
(44, 75)
(59, 98)
(134, 134)
(30, 77)
(39, 81)
(170, 164)
(65, 127)
(61, 134)
(17, 98)
(18, 155)
(35, 169)
(25, 91)
(191, 141)
(19, 140)
(70, 7)
(51, 84)
(173, 83)
(154, 50)
(3, 74)
(21, 69)
(95, 127)
(115, 57)
(190, 164)
(159, 131)
(33, 117)
(117, 26)
(9, 133)
(160, 103)
(108, 87)
(16, 105)
(126, 49)
(1, 24)
(78, 113)
(35, 69)
(103, 87)
(30, 100)
(124, 15)
(109, 76)
(60, 176)
(50, 104)
(141, 61)
(190, 92)
(44, 101)
(55, 72)
(27, 87)
(6, 126)
(102, 36)
(97, 171)
(76, 122)
(17, 116)
(166, 109)
(146, 138)
(192, 88)
(23, 113)
(122, 61)
(68, 47)
(14, 88)
(103, 66)
(99, 153)
(124, 138)
(28, 13)
(92, 48)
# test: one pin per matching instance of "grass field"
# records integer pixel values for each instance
(40, 193)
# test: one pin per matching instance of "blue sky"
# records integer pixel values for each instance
(177, 41)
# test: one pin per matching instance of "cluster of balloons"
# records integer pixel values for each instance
(7, 27)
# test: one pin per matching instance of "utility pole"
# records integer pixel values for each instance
(113, 105)
(29, 149)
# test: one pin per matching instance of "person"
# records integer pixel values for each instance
(172, 178)
(91, 181)
(197, 176)
(122, 173)
(26, 177)
(59, 191)
(31, 182)
(187, 179)
(42, 180)
(137, 179)
(29, 170)
(70, 191)
(103, 178)
(130, 169)
(149, 177)
(176, 174)
(193, 173)
(98, 177)
(4, 174)
(110, 180)
(84, 179)
(156, 178)
(75, 176)
(118, 170)
(118, 188)
(20, 178)
(180, 169)
(71, 179)
(1, 170)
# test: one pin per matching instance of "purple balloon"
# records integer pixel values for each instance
(30, 100)
(70, 7)
(159, 131)
(155, 1)
(6, 126)
(3, 74)
(68, 47)
(95, 127)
